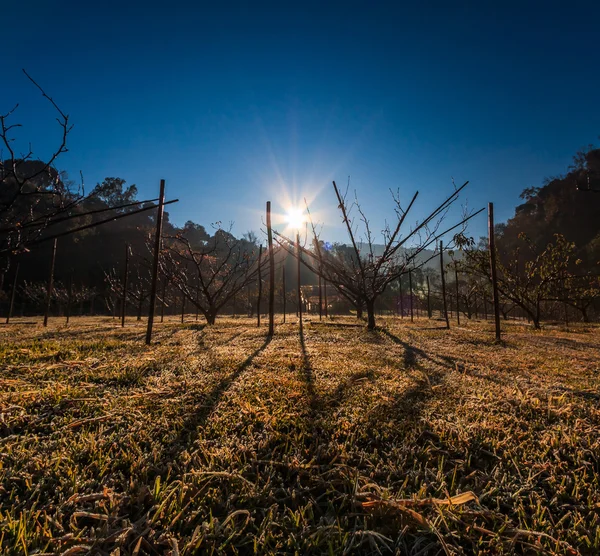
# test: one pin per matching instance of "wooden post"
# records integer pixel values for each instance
(320, 298)
(271, 272)
(325, 298)
(259, 296)
(12, 294)
(157, 239)
(69, 296)
(140, 305)
(283, 290)
(444, 285)
(411, 295)
(492, 246)
(565, 302)
(124, 295)
(182, 307)
(401, 299)
(428, 299)
(198, 298)
(50, 283)
(164, 293)
(298, 279)
(457, 302)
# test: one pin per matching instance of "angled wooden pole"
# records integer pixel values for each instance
(444, 285)
(157, 240)
(13, 294)
(492, 247)
(50, 283)
(124, 294)
(271, 272)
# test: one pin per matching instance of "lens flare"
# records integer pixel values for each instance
(295, 218)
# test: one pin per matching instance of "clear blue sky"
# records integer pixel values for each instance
(235, 105)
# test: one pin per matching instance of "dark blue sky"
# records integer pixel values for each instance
(239, 104)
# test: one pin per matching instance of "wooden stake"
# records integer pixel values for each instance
(320, 299)
(259, 297)
(428, 299)
(124, 295)
(401, 299)
(444, 285)
(164, 293)
(299, 255)
(271, 272)
(411, 295)
(492, 246)
(157, 240)
(12, 294)
(457, 302)
(283, 290)
(50, 283)
(182, 307)
(198, 298)
(69, 295)
(326, 304)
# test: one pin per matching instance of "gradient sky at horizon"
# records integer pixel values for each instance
(235, 105)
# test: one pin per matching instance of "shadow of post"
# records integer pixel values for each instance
(199, 415)
(308, 374)
(411, 353)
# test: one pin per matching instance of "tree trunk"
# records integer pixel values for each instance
(211, 316)
(584, 314)
(371, 315)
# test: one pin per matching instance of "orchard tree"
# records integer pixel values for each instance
(359, 273)
(526, 276)
(210, 275)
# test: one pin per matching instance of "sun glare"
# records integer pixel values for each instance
(295, 218)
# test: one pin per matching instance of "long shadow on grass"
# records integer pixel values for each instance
(330, 482)
(198, 415)
(411, 353)
(308, 374)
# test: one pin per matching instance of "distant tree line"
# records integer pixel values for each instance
(548, 253)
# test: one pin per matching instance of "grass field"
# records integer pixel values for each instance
(410, 439)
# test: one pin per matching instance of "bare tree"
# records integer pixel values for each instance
(356, 271)
(33, 192)
(210, 276)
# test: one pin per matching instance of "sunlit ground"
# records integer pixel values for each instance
(215, 439)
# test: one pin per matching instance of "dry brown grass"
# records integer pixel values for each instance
(216, 440)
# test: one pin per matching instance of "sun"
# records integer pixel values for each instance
(295, 218)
